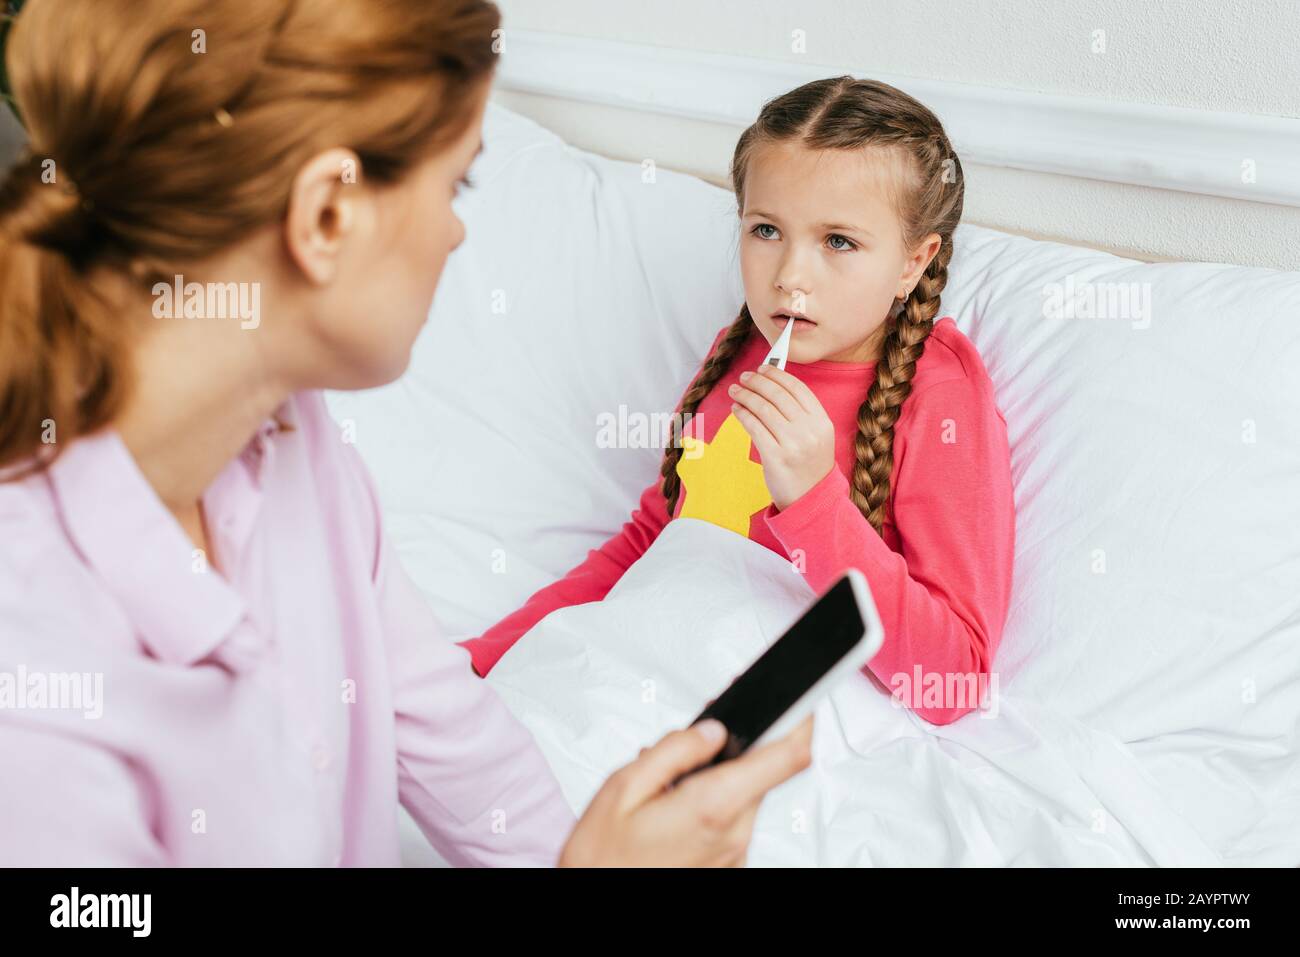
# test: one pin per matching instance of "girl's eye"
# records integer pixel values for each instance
(465, 182)
(758, 230)
(848, 243)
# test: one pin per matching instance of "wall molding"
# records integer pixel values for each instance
(1193, 151)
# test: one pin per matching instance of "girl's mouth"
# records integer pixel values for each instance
(800, 322)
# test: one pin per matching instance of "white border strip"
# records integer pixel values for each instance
(1195, 151)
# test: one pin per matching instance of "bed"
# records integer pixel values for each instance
(1149, 705)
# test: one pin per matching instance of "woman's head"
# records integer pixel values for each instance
(848, 193)
(309, 148)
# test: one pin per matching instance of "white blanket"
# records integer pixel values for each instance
(1020, 784)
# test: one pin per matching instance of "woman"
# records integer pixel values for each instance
(228, 207)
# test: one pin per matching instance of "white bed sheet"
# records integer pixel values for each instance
(1017, 784)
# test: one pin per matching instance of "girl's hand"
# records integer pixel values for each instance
(791, 430)
(707, 820)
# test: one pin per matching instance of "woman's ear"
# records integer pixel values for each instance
(323, 206)
(917, 263)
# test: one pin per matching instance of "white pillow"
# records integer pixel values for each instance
(581, 288)
(1156, 457)
(1156, 460)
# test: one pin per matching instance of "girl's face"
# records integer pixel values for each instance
(820, 238)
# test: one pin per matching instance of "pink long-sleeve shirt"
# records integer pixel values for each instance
(940, 570)
(156, 712)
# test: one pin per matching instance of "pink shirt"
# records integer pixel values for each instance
(275, 713)
(939, 570)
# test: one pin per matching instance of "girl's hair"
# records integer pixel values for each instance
(848, 114)
(163, 131)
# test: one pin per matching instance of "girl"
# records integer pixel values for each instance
(880, 446)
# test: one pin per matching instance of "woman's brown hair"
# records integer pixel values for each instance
(847, 114)
(163, 131)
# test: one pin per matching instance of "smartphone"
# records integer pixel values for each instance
(835, 637)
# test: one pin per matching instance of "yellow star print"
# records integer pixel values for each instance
(723, 485)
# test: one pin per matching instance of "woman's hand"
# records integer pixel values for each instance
(790, 429)
(705, 821)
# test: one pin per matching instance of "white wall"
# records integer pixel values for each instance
(1238, 57)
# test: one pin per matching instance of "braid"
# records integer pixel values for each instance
(902, 347)
(714, 368)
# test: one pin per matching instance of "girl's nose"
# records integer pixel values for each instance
(790, 278)
(793, 289)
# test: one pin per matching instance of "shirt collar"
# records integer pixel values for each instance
(181, 608)
(259, 451)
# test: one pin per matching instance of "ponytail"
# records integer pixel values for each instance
(61, 360)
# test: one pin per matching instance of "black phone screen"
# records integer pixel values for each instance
(795, 662)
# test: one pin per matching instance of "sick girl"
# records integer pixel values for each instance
(880, 446)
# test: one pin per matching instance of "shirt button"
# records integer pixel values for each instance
(320, 758)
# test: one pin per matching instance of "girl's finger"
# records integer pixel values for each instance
(764, 440)
(807, 400)
(774, 391)
(759, 405)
